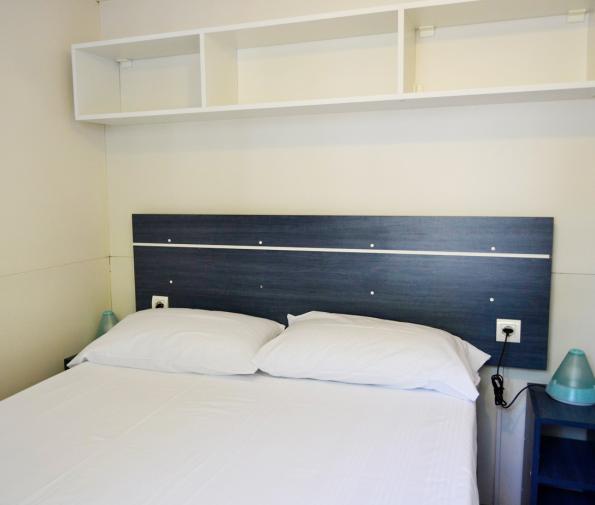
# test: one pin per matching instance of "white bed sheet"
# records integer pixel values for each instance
(109, 436)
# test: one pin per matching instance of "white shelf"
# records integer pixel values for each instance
(483, 51)
(152, 46)
(564, 91)
(336, 25)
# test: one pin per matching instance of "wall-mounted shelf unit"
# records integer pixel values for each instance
(420, 54)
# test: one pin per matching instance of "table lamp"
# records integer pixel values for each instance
(573, 382)
(107, 322)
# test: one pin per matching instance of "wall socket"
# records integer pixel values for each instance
(515, 324)
(159, 302)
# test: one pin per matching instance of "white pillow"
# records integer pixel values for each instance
(183, 340)
(365, 350)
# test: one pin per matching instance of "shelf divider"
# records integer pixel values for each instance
(407, 35)
(591, 45)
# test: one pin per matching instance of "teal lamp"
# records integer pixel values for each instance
(107, 322)
(573, 382)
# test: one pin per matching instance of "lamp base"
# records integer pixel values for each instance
(571, 396)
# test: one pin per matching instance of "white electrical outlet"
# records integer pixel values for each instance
(159, 302)
(515, 324)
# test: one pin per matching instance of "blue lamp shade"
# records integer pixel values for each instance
(573, 382)
(107, 322)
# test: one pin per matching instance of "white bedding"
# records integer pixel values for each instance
(106, 435)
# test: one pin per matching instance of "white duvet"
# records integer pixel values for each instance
(106, 435)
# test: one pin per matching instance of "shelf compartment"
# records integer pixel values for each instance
(554, 496)
(138, 74)
(477, 45)
(351, 55)
(567, 463)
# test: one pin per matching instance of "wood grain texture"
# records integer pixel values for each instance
(452, 293)
(470, 234)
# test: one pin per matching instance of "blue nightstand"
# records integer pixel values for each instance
(558, 471)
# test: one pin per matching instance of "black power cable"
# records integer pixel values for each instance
(498, 380)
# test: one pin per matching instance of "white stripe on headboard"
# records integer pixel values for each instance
(352, 251)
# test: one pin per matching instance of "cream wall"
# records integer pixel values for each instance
(121, 18)
(54, 273)
(500, 160)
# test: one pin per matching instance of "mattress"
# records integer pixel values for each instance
(107, 435)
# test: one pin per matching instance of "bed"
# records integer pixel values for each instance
(111, 435)
(101, 434)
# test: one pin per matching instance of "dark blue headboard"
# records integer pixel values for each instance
(455, 273)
